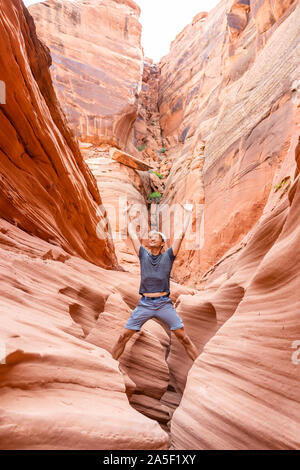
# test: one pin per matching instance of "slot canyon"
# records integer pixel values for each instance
(88, 122)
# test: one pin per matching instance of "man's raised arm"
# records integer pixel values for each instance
(187, 214)
(132, 232)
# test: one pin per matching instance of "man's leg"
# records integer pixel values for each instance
(187, 343)
(168, 315)
(121, 343)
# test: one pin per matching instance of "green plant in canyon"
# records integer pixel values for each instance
(158, 174)
(156, 195)
(282, 183)
(141, 147)
(163, 150)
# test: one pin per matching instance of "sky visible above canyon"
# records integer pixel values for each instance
(162, 20)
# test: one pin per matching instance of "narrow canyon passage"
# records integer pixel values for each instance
(88, 123)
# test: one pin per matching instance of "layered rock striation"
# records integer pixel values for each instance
(241, 392)
(97, 64)
(46, 188)
(226, 113)
(223, 106)
(59, 386)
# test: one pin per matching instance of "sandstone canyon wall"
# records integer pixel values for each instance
(46, 187)
(99, 77)
(226, 113)
(59, 386)
(232, 126)
(225, 104)
(242, 391)
(97, 64)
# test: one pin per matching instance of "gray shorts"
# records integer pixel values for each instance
(160, 308)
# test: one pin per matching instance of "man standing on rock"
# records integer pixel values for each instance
(155, 289)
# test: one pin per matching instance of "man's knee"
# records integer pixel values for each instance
(182, 336)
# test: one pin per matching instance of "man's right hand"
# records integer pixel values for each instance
(126, 208)
(132, 230)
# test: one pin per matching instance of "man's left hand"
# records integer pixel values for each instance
(188, 206)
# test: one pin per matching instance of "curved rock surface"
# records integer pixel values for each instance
(97, 64)
(143, 360)
(46, 187)
(50, 299)
(241, 392)
(59, 391)
(224, 104)
(225, 96)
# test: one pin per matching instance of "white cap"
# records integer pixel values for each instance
(163, 236)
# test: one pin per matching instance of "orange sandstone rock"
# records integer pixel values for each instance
(46, 187)
(58, 390)
(97, 64)
(227, 82)
(241, 392)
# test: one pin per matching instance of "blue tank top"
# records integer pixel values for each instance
(155, 270)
